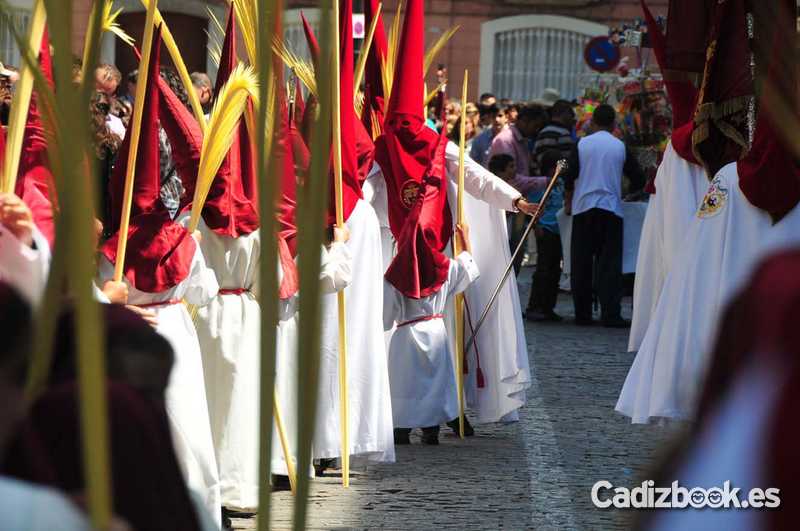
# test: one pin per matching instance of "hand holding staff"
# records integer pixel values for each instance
(562, 165)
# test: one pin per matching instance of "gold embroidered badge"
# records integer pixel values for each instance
(409, 193)
(714, 201)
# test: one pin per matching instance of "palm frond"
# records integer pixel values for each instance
(216, 36)
(247, 20)
(432, 94)
(433, 51)
(302, 68)
(222, 125)
(110, 24)
(391, 53)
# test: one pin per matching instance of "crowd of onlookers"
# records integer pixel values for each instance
(523, 142)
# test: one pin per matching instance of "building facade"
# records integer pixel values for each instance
(514, 48)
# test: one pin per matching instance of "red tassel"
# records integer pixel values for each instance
(479, 377)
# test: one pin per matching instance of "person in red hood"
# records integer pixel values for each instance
(164, 267)
(681, 182)
(750, 200)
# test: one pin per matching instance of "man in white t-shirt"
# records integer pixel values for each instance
(594, 198)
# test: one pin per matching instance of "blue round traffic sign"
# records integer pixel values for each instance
(601, 54)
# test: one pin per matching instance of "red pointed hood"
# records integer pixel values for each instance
(374, 92)
(231, 208)
(311, 39)
(35, 184)
(411, 157)
(351, 183)
(407, 147)
(420, 267)
(283, 152)
(228, 58)
(681, 92)
(160, 252)
(408, 85)
(768, 174)
(723, 119)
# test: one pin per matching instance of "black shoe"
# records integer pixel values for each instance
(430, 435)
(321, 465)
(553, 316)
(535, 316)
(401, 436)
(469, 431)
(280, 483)
(619, 322)
(230, 513)
(227, 525)
(584, 322)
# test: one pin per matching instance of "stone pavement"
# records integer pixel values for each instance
(534, 474)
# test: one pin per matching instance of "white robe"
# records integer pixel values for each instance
(501, 340)
(718, 252)
(29, 507)
(369, 400)
(336, 274)
(730, 447)
(680, 187)
(186, 404)
(421, 369)
(229, 332)
(23, 267)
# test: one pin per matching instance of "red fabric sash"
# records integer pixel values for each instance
(170, 302)
(421, 319)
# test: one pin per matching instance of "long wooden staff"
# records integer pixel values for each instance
(562, 165)
(21, 101)
(180, 66)
(337, 188)
(459, 300)
(287, 450)
(136, 131)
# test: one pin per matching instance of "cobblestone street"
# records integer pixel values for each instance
(535, 474)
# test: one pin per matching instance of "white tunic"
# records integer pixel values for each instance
(335, 275)
(680, 187)
(421, 369)
(229, 332)
(719, 250)
(369, 400)
(186, 404)
(28, 507)
(23, 267)
(501, 341)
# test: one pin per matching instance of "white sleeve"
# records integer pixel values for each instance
(202, 282)
(376, 194)
(99, 296)
(463, 272)
(480, 182)
(390, 306)
(23, 267)
(337, 268)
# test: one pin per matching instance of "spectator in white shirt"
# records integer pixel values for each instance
(594, 199)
